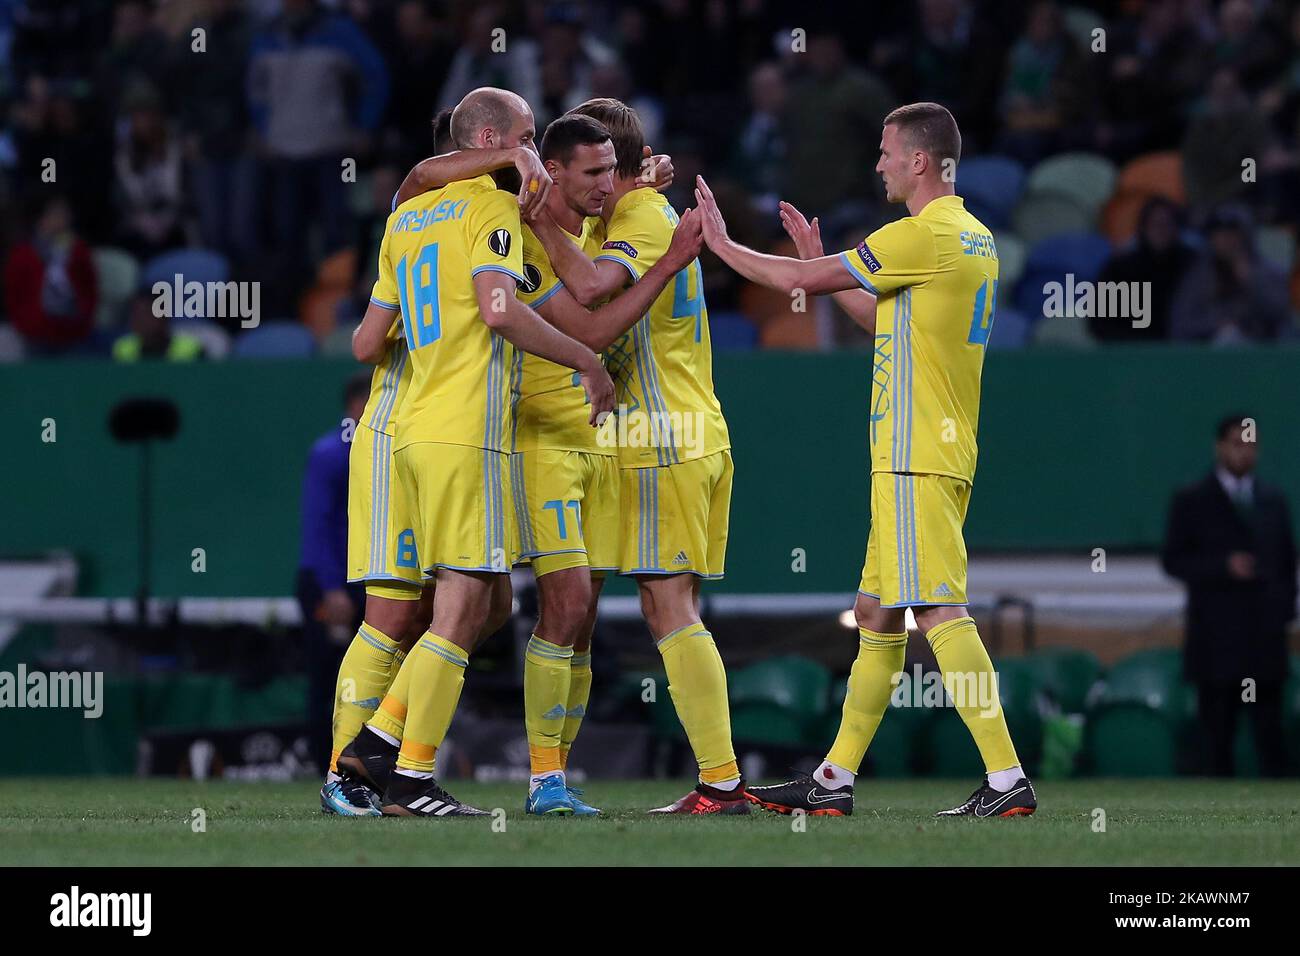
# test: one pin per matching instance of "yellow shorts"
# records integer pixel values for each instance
(675, 517)
(566, 507)
(381, 540)
(461, 504)
(915, 553)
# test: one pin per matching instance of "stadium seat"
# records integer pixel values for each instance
(1155, 174)
(778, 701)
(1065, 676)
(12, 348)
(1151, 678)
(338, 343)
(1079, 24)
(1062, 333)
(215, 339)
(193, 265)
(789, 330)
(272, 340)
(118, 276)
(991, 186)
(1277, 245)
(950, 750)
(1130, 740)
(1086, 178)
(1136, 716)
(1011, 329)
(1011, 263)
(732, 330)
(900, 745)
(1079, 254)
(1040, 216)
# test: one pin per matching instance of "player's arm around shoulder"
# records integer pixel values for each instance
(590, 283)
(370, 340)
(599, 328)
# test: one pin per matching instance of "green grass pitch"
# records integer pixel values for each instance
(149, 822)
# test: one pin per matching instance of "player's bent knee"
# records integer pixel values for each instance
(565, 603)
(933, 615)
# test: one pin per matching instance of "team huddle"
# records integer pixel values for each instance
(543, 394)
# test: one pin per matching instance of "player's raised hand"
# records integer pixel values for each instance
(600, 391)
(536, 182)
(688, 239)
(656, 170)
(712, 224)
(807, 236)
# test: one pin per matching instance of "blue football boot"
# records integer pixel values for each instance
(348, 796)
(550, 798)
(581, 809)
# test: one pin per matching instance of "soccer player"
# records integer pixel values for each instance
(674, 450)
(933, 275)
(449, 262)
(381, 554)
(566, 475)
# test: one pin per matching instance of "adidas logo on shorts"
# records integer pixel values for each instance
(681, 558)
(943, 590)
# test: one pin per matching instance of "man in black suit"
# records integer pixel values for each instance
(1229, 540)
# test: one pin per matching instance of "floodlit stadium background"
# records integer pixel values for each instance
(129, 155)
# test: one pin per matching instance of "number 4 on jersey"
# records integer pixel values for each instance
(981, 320)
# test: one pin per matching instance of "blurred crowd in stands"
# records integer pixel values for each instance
(1150, 141)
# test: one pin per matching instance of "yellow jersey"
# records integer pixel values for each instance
(551, 410)
(388, 382)
(432, 248)
(663, 365)
(935, 276)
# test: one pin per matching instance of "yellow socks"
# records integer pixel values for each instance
(970, 681)
(420, 704)
(367, 669)
(576, 706)
(697, 682)
(546, 695)
(880, 657)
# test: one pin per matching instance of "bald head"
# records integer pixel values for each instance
(490, 117)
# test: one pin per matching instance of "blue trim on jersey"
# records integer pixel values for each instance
(910, 485)
(643, 354)
(866, 284)
(623, 262)
(514, 275)
(546, 295)
(391, 306)
(926, 604)
(379, 418)
(386, 577)
(516, 393)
